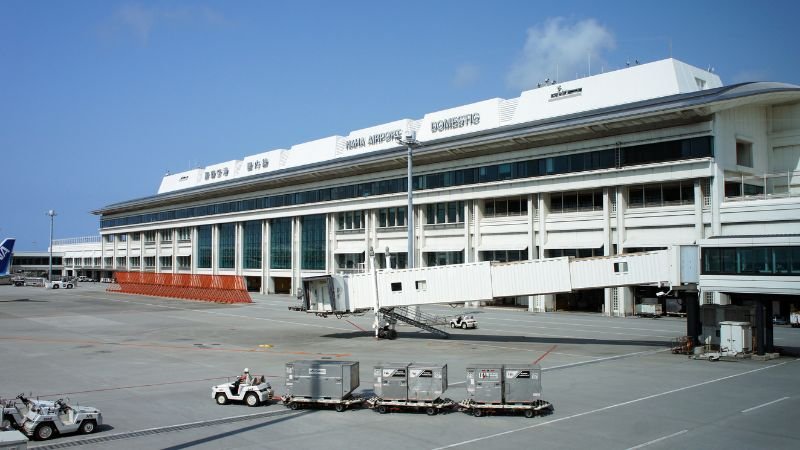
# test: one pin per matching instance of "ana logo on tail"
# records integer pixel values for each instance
(5, 255)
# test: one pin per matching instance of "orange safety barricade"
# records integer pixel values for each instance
(210, 288)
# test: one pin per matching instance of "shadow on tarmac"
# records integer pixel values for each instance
(215, 437)
(23, 300)
(504, 339)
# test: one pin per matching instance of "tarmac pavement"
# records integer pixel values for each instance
(148, 363)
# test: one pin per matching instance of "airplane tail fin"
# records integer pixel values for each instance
(6, 249)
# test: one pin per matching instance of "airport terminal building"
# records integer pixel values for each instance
(636, 159)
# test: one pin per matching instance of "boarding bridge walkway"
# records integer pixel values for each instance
(341, 295)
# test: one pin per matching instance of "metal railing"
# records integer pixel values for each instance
(744, 186)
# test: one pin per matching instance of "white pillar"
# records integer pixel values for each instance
(546, 302)
(698, 211)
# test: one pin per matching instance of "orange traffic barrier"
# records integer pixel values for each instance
(211, 288)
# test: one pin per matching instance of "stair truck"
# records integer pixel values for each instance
(410, 387)
(321, 383)
(495, 388)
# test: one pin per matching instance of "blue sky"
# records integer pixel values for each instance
(98, 99)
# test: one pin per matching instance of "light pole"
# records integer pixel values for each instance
(410, 141)
(52, 214)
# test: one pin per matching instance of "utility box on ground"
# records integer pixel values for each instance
(523, 383)
(426, 382)
(391, 381)
(13, 440)
(735, 337)
(485, 383)
(319, 379)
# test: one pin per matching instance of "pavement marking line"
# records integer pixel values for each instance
(219, 313)
(606, 408)
(95, 438)
(607, 358)
(659, 439)
(764, 404)
(267, 350)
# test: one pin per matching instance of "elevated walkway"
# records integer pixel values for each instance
(388, 291)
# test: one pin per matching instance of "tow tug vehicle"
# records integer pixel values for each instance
(463, 322)
(14, 412)
(257, 392)
(45, 420)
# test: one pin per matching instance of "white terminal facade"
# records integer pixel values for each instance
(635, 159)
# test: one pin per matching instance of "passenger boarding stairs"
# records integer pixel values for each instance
(403, 314)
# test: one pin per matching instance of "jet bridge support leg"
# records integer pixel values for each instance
(693, 325)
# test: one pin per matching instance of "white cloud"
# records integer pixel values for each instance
(466, 75)
(557, 46)
(141, 20)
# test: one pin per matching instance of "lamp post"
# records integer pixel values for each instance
(52, 214)
(410, 141)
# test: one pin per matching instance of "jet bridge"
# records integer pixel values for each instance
(388, 290)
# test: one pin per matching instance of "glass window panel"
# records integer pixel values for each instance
(204, 247)
(671, 193)
(488, 208)
(556, 203)
(251, 245)
(227, 245)
(382, 217)
(728, 260)
(795, 260)
(652, 195)
(745, 260)
(570, 201)
(501, 207)
(281, 243)
(392, 217)
(312, 242)
(441, 213)
(781, 261)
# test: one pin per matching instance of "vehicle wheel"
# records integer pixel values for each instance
(430, 411)
(293, 405)
(463, 326)
(529, 413)
(222, 399)
(393, 334)
(452, 325)
(69, 286)
(477, 412)
(88, 427)
(8, 422)
(44, 432)
(251, 399)
(340, 407)
(55, 286)
(382, 409)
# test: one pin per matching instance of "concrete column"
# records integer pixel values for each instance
(625, 300)
(419, 221)
(698, 211)
(622, 205)
(531, 243)
(194, 251)
(546, 302)
(607, 245)
(471, 220)
(238, 248)
(267, 286)
(215, 249)
(717, 195)
(296, 254)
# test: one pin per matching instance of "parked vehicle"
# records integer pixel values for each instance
(58, 284)
(14, 410)
(463, 322)
(794, 319)
(84, 278)
(255, 393)
(44, 421)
